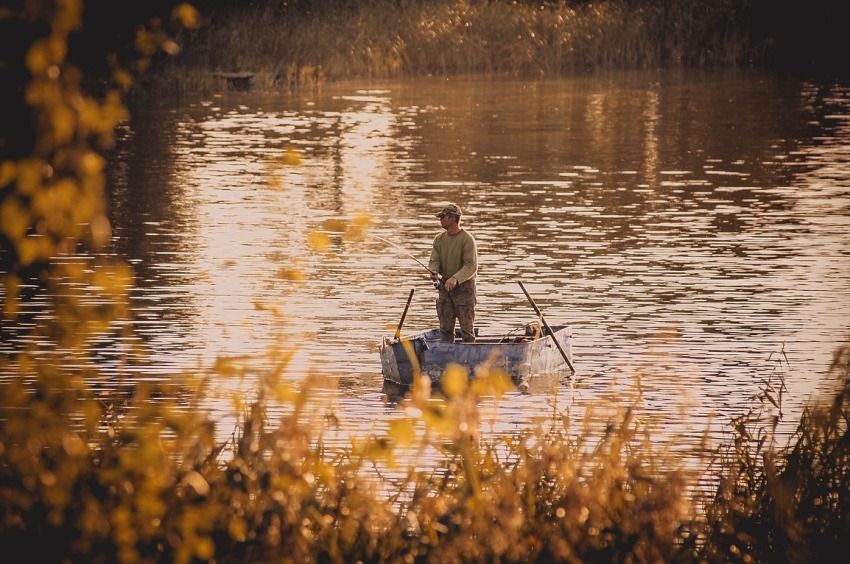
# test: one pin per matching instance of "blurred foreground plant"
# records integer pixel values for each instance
(153, 483)
(789, 504)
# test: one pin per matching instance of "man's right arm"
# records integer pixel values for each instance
(434, 261)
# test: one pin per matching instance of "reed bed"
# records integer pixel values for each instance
(145, 480)
(309, 42)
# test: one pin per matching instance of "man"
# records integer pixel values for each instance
(454, 262)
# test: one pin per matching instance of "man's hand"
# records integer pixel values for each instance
(450, 284)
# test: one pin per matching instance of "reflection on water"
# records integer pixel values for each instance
(686, 225)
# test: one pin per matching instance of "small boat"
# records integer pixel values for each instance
(531, 353)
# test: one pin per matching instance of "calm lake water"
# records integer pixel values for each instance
(686, 225)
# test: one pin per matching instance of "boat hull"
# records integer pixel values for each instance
(520, 358)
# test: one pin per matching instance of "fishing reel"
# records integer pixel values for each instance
(438, 282)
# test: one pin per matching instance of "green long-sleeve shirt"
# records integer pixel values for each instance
(454, 255)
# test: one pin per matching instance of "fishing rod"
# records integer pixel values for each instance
(437, 282)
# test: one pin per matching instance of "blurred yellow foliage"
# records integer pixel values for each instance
(63, 123)
(290, 274)
(101, 232)
(495, 383)
(285, 392)
(68, 15)
(362, 220)
(358, 226)
(318, 241)
(437, 416)
(29, 174)
(455, 380)
(45, 52)
(186, 15)
(14, 218)
(7, 172)
(336, 225)
(33, 248)
(291, 157)
(402, 431)
(91, 164)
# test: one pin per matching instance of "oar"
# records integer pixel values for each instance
(403, 315)
(546, 325)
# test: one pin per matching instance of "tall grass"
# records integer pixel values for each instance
(790, 504)
(147, 481)
(388, 38)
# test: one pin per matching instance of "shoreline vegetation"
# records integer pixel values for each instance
(137, 474)
(84, 478)
(285, 45)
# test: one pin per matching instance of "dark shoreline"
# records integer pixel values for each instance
(287, 47)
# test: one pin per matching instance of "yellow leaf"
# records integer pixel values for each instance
(402, 431)
(31, 249)
(171, 47)
(186, 15)
(7, 172)
(336, 225)
(237, 529)
(205, 548)
(225, 367)
(291, 157)
(14, 219)
(318, 241)
(101, 231)
(284, 392)
(358, 226)
(455, 380)
(57, 49)
(30, 173)
(91, 163)
(38, 57)
(362, 219)
(62, 120)
(290, 274)
(68, 15)
(56, 199)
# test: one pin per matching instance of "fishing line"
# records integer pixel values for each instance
(402, 249)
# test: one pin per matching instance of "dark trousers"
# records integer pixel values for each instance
(448, 312)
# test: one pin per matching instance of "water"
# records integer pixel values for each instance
(686, 225)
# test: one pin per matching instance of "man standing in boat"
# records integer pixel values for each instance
(453, 263)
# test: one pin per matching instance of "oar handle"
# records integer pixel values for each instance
(403, 315)
(546, 325)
